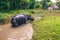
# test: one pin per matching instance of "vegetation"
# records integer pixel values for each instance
(45, 4)
(47, 28)
(23, 4)
(15, 4)
(6, 16)
(58, 3)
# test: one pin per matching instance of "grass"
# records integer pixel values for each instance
(48, 28)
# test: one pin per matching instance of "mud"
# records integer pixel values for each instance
(23, 32)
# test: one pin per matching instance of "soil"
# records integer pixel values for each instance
(23, 32)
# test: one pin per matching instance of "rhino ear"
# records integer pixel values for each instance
(13, 16)
(30, 15)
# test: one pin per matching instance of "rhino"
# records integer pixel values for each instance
(20, 19)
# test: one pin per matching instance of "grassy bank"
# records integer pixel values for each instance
(48, 28)
(6, 16)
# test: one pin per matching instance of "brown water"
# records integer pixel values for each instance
(23, 32)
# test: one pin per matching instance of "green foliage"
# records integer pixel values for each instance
(37, 5)
(45, 4)
(32, 4)
(4, 5)
(58, 4)
(47, 28)
(16, 4)
(23, 4)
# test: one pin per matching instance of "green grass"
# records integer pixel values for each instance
(47, 28)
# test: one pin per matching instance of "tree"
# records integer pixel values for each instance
(37, 4)
(45, 4)
(4, 5)
(22, 4)
(58, 4)
(16, 4)
(32, 2)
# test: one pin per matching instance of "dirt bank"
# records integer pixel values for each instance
(23, 32)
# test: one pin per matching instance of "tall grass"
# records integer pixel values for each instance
(48, 28)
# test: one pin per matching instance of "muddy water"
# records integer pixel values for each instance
(23, 32)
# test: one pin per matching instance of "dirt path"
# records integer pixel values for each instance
(23, 32)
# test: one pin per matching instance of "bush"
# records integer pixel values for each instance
(2, 20)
